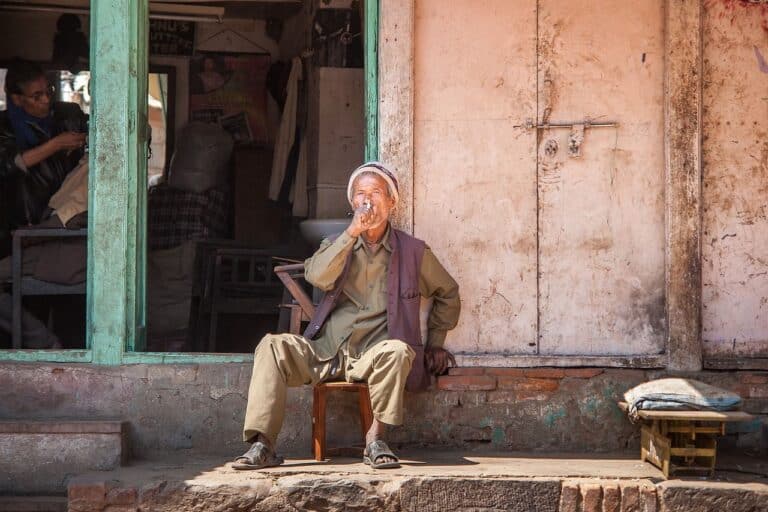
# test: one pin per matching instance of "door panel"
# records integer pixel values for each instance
(601, 215)
(500, 204)
(475, 174)
(735, 188)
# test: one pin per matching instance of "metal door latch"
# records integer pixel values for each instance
(530, 125)
(576, 137)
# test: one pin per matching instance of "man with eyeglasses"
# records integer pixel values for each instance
(41, 142)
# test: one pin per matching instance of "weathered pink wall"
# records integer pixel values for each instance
(735, 176)
(474, 173)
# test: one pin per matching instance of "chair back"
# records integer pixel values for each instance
(298, 301)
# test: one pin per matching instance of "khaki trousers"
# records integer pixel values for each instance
(287, 360)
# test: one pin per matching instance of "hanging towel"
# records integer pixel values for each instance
(287, 132)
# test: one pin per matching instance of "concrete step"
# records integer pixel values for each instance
(33, 504)
(428, 482)
(39, 457)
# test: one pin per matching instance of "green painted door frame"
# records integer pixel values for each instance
(371, 45)
(117, 192)
(117, 209)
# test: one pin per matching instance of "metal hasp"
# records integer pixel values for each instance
(530, 125)
(576, 137)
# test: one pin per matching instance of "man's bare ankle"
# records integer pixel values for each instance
(261, 438)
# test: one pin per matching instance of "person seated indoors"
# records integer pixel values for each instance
(41, 143)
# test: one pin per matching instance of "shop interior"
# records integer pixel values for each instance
(256, 115)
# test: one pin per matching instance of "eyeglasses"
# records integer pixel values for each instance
(38, 96)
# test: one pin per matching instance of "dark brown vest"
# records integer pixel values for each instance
(404, 300)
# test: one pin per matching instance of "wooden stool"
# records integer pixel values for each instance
(675, 441)
(318, 414)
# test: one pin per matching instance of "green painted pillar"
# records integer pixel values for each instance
(371, 45)
(118, 168)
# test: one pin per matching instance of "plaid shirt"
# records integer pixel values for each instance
(176, 216)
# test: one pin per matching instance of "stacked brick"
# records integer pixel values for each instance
(608, 497)
(526, 382)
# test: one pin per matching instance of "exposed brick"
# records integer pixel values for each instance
(630, 498)
(122, 496)
(570, 497)
(648, 499)
(754, 378)
(526, 386)
(506, 372)
(545, 373)
(583, 373)
(626, 374)
(591, 498)
(502, 397)
(752, 405)
(85, 496)
(757, 391)
(466, 383)
(473, 397)
(611, 498)
(466, 371)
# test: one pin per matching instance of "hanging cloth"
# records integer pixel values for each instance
(286, 134)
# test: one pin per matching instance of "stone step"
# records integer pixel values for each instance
(39, 457)
(33, 503)
(428, 482)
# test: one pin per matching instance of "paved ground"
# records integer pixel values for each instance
(422, 464)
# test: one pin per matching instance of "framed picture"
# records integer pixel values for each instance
(231, 90)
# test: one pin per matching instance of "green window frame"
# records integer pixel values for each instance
(116, 278)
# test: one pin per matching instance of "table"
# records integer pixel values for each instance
(683, 440)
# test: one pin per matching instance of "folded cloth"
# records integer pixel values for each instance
(72, 197)
(679, 394)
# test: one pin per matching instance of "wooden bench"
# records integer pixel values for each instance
(683, 440)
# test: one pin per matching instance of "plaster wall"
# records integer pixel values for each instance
(475, 173)
(199, 409)
(735, 180)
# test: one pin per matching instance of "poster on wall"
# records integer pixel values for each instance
(171, 37)
(231, 90)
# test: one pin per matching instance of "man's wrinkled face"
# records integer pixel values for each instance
(35, 97)
(371, 187)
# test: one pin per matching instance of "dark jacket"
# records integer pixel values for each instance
(25, 195)
(403, 305)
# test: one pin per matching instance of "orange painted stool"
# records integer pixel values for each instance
(318, 414)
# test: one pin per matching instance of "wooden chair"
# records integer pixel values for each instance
(301, 308)
(27, 285)
(240, 283)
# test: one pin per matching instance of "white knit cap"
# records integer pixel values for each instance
(379, 169)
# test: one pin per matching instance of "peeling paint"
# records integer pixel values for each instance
(735, 181)
(552, 417)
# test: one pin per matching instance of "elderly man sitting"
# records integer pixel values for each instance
(366, 329)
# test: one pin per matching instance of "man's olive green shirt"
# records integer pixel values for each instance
(360, 316)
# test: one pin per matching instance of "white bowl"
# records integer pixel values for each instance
(315, 230)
